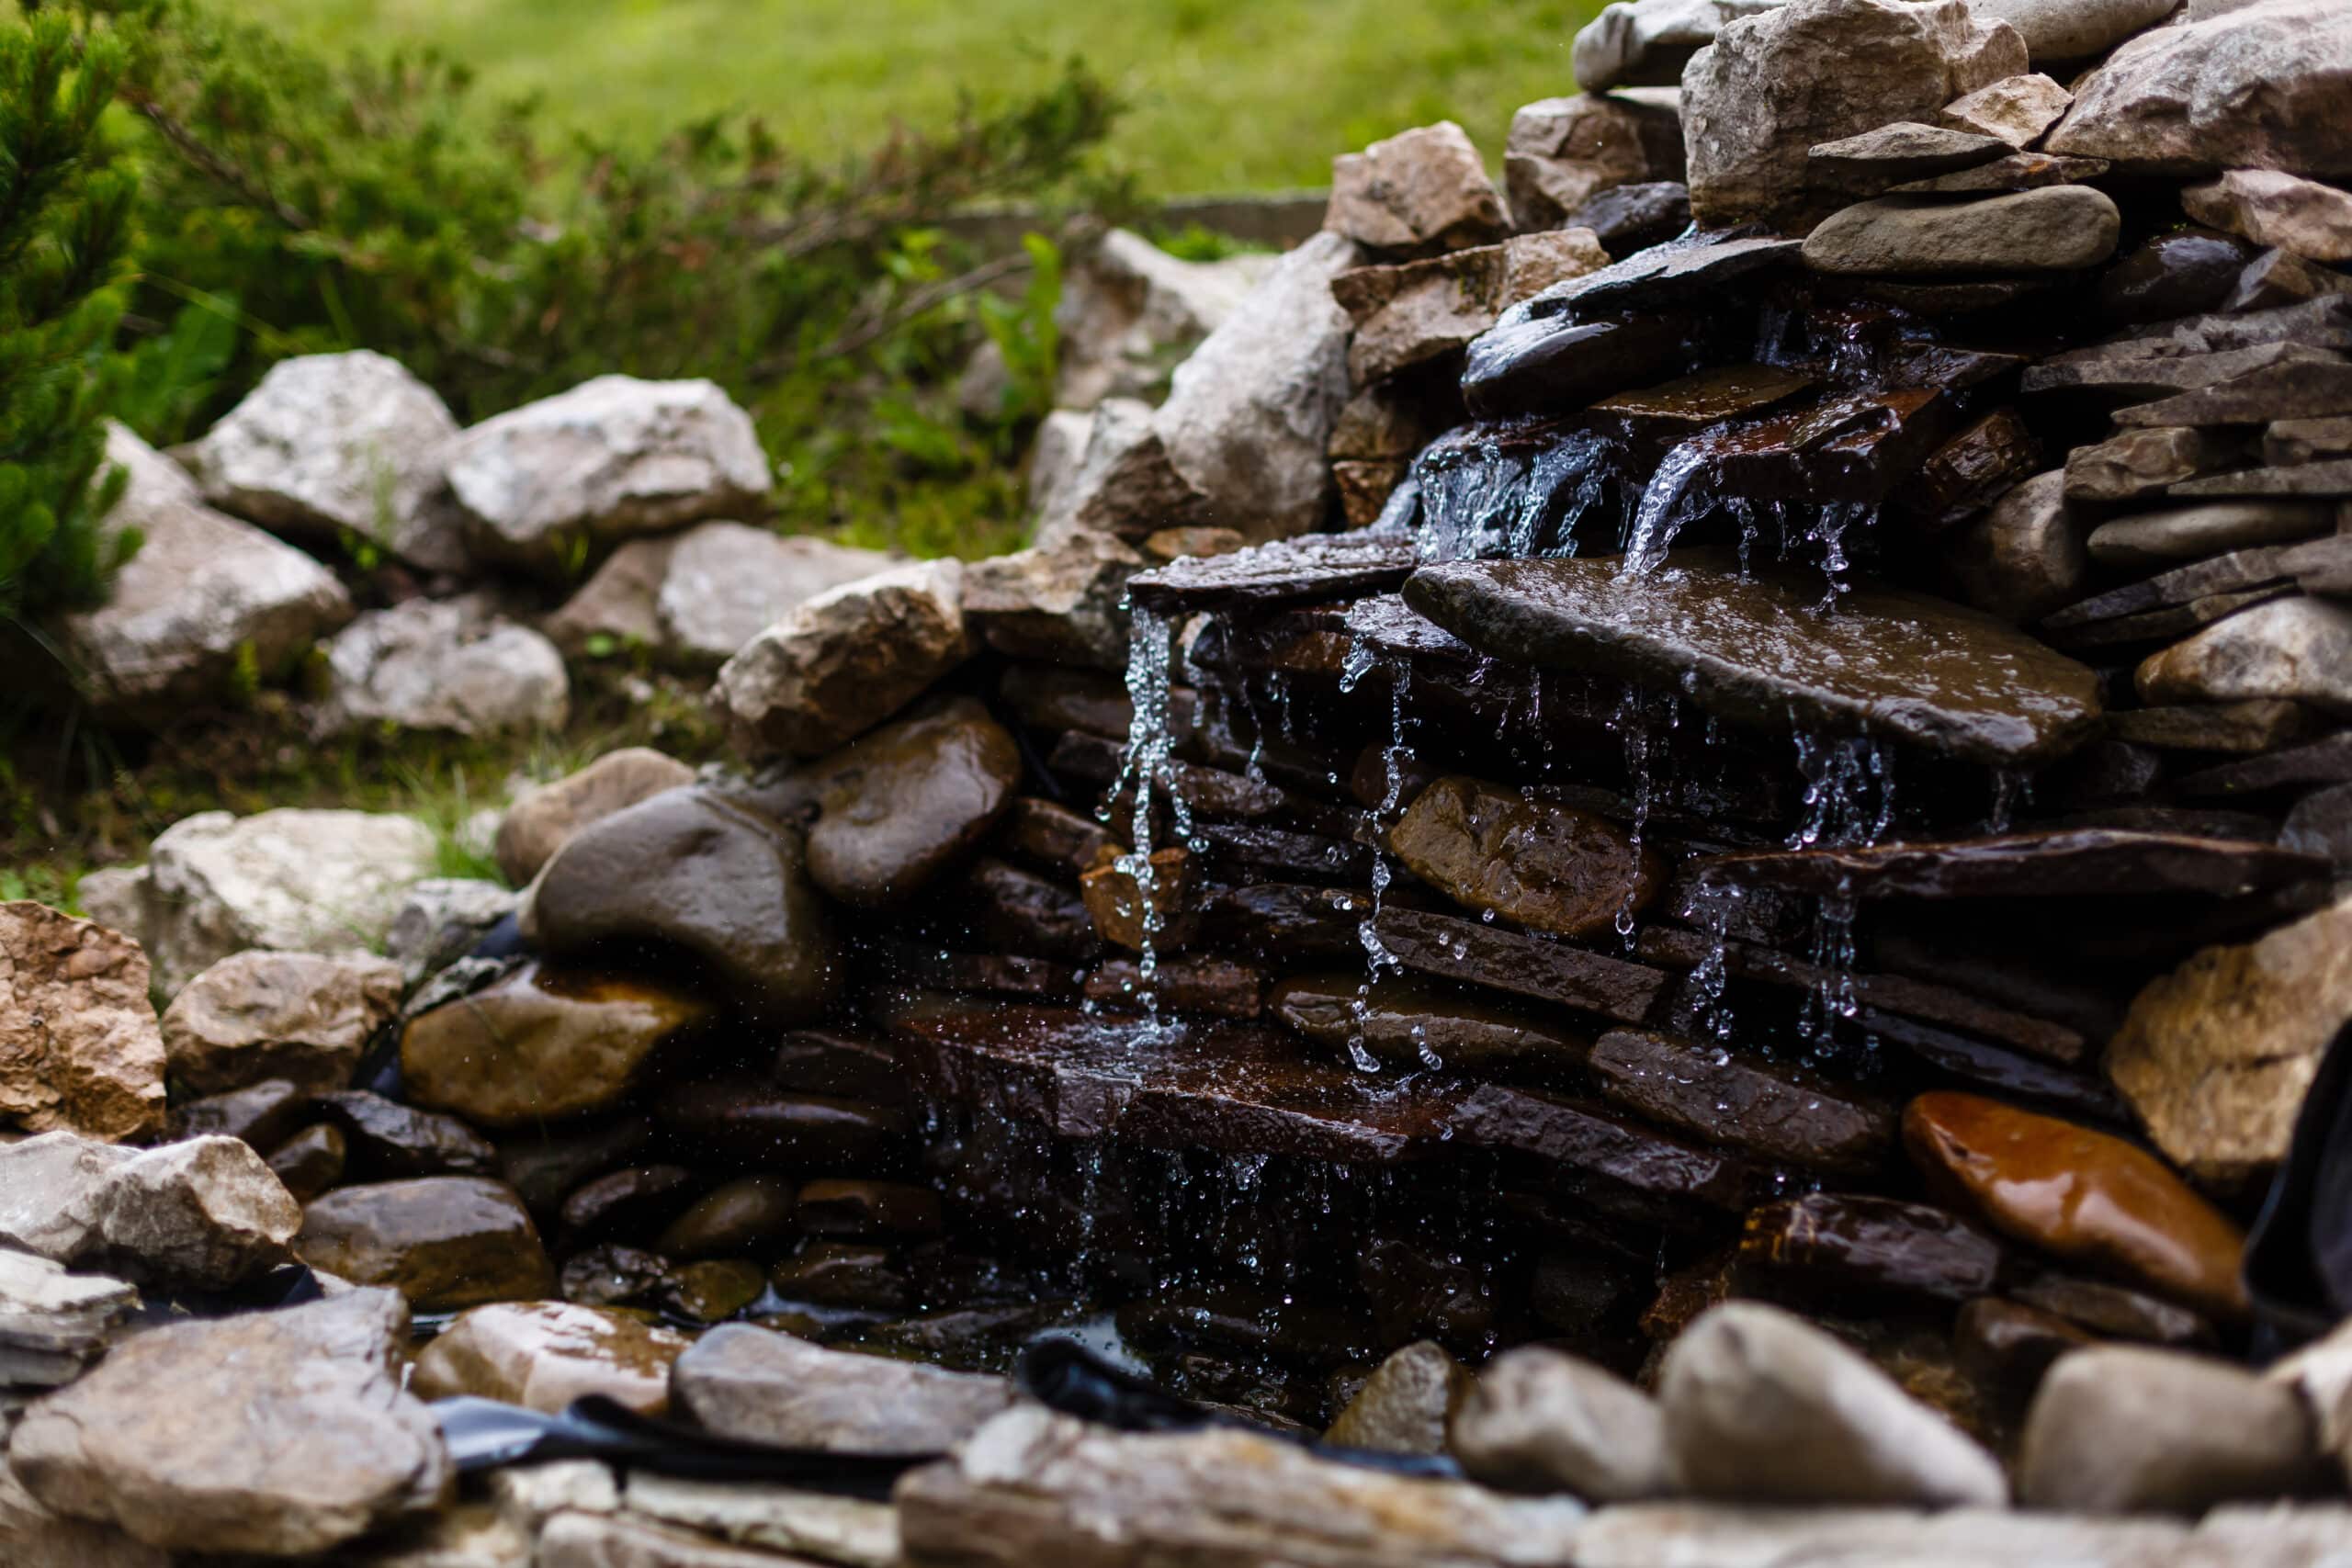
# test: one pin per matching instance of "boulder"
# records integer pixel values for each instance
(695, 598)
(2054, 229)
(1649, 42)
(542, 819)
(2296, 648)
(2075, 30)
(443, 1241)
(206, 604)
(569, 476)
(1129, 311)
(1760, 1406)
(2125, 1429)
(1416, 193)
(544, 1354)
(839, 663)
(2301, 216)
(1788, 78)
(79, 1049)
(759, 1387)
(1250, 414)
(2176, 100)
(2017, 110)
(900, 806)
(718, 878)
(1561, 152)
(1407, 315)
(295, 880)
(1403, 1407)
(332, 443)
(305, 1017)
(447, 665)
(279, 1433)
(1537, 1420)
(2215, 1057)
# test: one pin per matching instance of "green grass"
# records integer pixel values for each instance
(1226, 95)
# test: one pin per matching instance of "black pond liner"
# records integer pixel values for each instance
(2299, 1257)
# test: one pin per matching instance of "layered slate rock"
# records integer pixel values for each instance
(339, 442)
(761, 1387)
(79, 1049)
(443, 665)
(2215, 1058)
(1409, 314)
(52, 1324)
(445, 1242)
(2122, 1429)
(2300, 216)
(612, 458)
(1036, 1487)
(280, 1433)
(544, 1354)
(1537, 1420)
(1411, 1025)
(301, 1017)
(1778, 1113)
(2055, 862)
(1762, 651)
(2299, 649)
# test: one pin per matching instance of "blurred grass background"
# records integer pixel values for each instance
(1227, 96)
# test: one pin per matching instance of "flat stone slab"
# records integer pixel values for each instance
(1459, 949)
(2065, 862)
(1234, 1088)
(2332, 477)
(2296, 389)
(1311, 567)
(1761, 650)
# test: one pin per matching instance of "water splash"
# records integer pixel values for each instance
(1376, 954)
(1632, 723)
(1849, 803)
(1481, 496)
(1679, 490)
(1148, 769)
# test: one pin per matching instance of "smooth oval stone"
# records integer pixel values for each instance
(1410, 1025)
(1402, 1408)
(633, 1202)
(541, 1044)
(712, 1292)
(1839, 1246)
(723, 881)
(739, 1217)
(310, 1161)
(1735, 1098)
(898, 807)
(2113, 1312)
(2079, 1194)
(2175, 273)
(548, 1169)
(843, 1274)
(2053, 229)
(1549, 867)
(749, 1124)
(867, 1208)
(443, 1241)
(1537, 1420)
(544, 1354)
(608, 1275)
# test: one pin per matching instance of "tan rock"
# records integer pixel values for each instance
(2025, 556)
(536, 826)
(2299, 215)
(1409, 314)
(2299, 649)
(2017, 110)
(443, 1241)
(1538, 1420)
(544, 1354)
(1416, 193)
(771, 1388)
(207, 1213)
(1550, 867)
(1404, 1406)
(304, 1017)
(853, 1531)
(2127, 1429)
(1562, 151)
(79, 1050)
(2215, 1057)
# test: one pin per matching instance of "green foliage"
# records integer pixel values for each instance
(65, 221)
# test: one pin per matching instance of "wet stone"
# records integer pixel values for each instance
(1589, 1149)
(2146, 461)
(1830, 1246)
(1902, 150)
(1689, 403)
(442, 1241)
(1758, 650)
(2011, 1342)
(1457, 949)
(263, 1114)
(712, 1291)
(742, 1215)
(2128, 1430)
(2079, 1195)
(859, 1209)
(1236, 1318)
(1548, 867)
(544, 1354)
(389, 1139)
(896, 808)
(2057, 862)
(1051, 836)
(1532, 365)
(537, 825)
(544, 1170)
(747, 1125)
(1775, 1113)
(608, 1275)
(1187, 983)
(1312, 567)
(759, 1387)
(631, 1202)
(1409, 1024)
(1973, 469)
(310, 1161)
(1978, 1064)
(2113, 1310)
(1017, 912)
(2177, 273)
(1423, 310)
(1630, 217)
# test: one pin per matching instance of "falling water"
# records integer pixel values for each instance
(1484, 498)
(1376, 954)
(1148, 767)
(1631, 722)
(1677, 492)
(1849, 803)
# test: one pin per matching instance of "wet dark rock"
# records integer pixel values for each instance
(845, 1067)
(1775, 1113)
(537, 825)
(1690, 403)
(1829, 1246)
(2114, 1310)
(742, 1215)
(1758, 650)
(2176, 273)
(310, 1161)
(1412, 314)
(608, 1275)
(263, 1114)
(1903, 149)
(1312, 567)
(2145, 461)
(2037, 864)
(1286, 923)
(2018, 171)
(1234, 1318)
(1051, 836)
(725, 881)
(2321, 824)
(1261, 852)
(2292, 388)
(759, 1387)
(1417, 1288)
(984, 973)
(863, 1209)
(632, 1204)
(389, 1139)
(1973, 469)
(544, 1170)
(1978, 1064)
(1598, 1154)
(1529, 365)
(2078, 1194)
(1055, 697)
(2025, 556)
(750, 1124)
(843, 1274)
(1017, 912)
(898, 807)
(712, 1291)
(542, 1044)
(1457, 949)
(1539, 1421)
(1411, 1024)
(1693, 268)
(1187, 983)
(2012, 1342)
(2126, 1430)
(443, 1241)
(1544, 866)
(1630, 217)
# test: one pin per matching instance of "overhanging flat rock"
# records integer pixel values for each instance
(1311, 567)
(2087, 861)
(1762, 650)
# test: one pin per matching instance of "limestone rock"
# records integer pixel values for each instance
(1875, 160)
(1649, 42)
(1776, 84)
(2133, 463)
(2026, 555)
(539, 822)
(206, 603)
(53, 1323)
(49, 1187)
(1129, 311)
(540, 1045)
(1416, 193)
(279, 1433)
(1409, 314)
(305, 1017)
(837, 664)
(612, 458)
(2075, 30)
(2301, 217)
(1064, 601)
(2216, 1056)
(1250, 414)
(771, 1388)
(2295, 648)
(79, 1049)
(296, 881)
(335, 443)
(204, 1212)
(1122, 482)
(1538, 1420)
(2017, 110)
(1759, 1405)
(852, 1531)
(2123, 1429)
(2175, 99)
(2054, 229)
(115, 897)
(445, 665)
(544, 1354)
(1404, 1405)
(445, 1242)
(1564, 152)
(441, 919)
(712, 875)
(1549, 867)
(900, 806)
(33, 1537)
